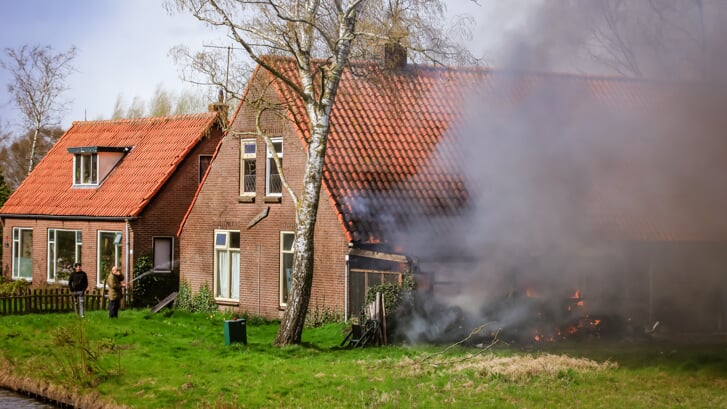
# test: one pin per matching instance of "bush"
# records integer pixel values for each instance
(203, 301)
(13, 287)
(393, 293)
(151, 288)
(184, 298)
(321, 315)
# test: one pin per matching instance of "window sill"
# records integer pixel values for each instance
(246, 199)
(227, 301)
(272, 199)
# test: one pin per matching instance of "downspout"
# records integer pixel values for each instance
(128, 258)
(345, 287)
(258, 280)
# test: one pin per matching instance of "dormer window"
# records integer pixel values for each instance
(85, 167)
(91, 164)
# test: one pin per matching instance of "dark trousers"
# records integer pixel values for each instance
(114, 308)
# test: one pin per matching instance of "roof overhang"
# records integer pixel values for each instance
(97, 149)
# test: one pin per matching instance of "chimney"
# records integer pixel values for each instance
(394, 56)
(220, 107)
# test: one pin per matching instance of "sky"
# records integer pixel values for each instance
(123, 45)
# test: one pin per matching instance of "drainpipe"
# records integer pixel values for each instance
(345, 288)
(259, 311)
(128, 257)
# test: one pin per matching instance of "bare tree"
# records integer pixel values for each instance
(651, 38)
(322, 36)
(39, 80)
(16, 155)
(162, 103)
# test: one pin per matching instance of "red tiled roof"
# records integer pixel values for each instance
(159, 145)
(387, 129)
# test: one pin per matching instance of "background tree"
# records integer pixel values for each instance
(322, 36)
(38, 82)
(162, 103)
(15, 155)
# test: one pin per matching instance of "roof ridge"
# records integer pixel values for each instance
(148, 119)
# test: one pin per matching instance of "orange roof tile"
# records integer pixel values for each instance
(159, 145)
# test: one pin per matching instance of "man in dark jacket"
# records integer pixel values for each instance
(78, 283)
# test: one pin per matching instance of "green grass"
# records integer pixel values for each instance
(180, 360)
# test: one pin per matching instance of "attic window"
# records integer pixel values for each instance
(91, 164)
(85, 167)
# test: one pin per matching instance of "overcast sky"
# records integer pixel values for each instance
(123, 45)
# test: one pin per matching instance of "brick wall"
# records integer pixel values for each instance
(219, 206)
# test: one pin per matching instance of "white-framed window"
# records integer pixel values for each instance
(204, 164)
(64, 250)
(227, 264)
(273, 183)
(85, 167)
(286, 264)
(109, 253)
(22, 253)
(163, 254)
(248, 167)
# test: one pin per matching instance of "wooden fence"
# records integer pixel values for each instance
(50, 300)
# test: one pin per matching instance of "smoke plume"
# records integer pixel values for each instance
(606, 190)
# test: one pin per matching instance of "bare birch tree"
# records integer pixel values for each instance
(322, 36)
(39, 80)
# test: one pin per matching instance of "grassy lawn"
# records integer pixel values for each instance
(180, 360)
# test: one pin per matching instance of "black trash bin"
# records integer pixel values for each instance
(235, 331)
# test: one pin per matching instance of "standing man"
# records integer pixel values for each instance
(115, 284)
(78, 283)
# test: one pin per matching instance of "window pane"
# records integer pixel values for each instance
(274, 183)
(234, 239)
(107, 254)
(235, 271)
(22, 253)
(65, 244)
(94, 169)
(287, 275)
(221, 239)
(249, 172)
(163, 253)
(288, 241)
(223, 266)
(204, 163)
(249, 148)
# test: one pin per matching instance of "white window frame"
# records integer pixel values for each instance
(80, 169)
(52, 247)
(18, 245)
(230, 289)
(244, 157)
(117, 254)
(285, 274)
(268, 165)
(167, 264)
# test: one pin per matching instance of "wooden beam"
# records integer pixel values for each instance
(397, 258)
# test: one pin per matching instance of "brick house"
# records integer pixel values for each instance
(396, 161)
(237, 235)
(107, 193)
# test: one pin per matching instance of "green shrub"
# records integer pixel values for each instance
(13, 287)
(184, 298)
(321, 315)
(393, 293)
(151, 288)
(204, 301)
